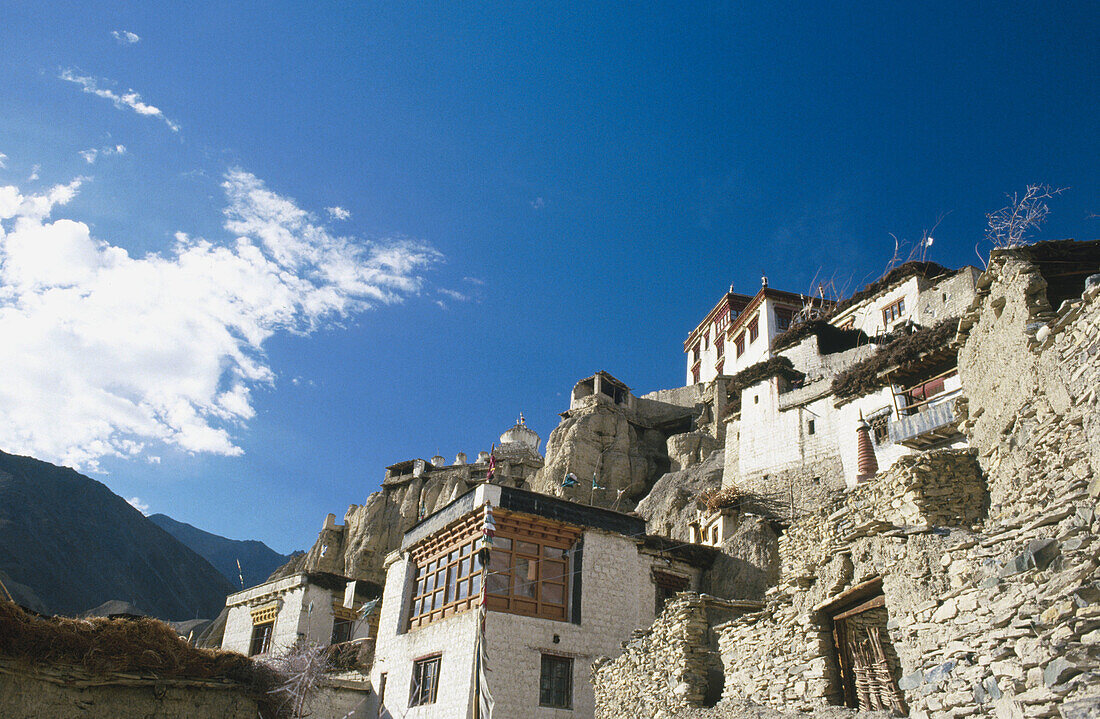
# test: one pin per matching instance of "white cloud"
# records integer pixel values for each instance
(125, 37)
(140, 506)
(338, 213)
(128, 99)
(474, 280)
(91, 154)
(105, 354)
(3, 161)
(34, 173)
(538, 203)
(458, 296)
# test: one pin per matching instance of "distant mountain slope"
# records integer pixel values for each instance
(75, 544)
(257, 559)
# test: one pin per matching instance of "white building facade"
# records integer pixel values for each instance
(269, 618)
(566, 583)
(739, 331)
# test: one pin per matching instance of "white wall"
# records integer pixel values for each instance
(617, 597)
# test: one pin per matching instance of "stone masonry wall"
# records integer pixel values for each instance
(999, 617)
(61, 694)
(662, 669)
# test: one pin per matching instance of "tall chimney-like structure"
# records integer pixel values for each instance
(867, 464)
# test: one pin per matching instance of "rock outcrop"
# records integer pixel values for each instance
(601, 446)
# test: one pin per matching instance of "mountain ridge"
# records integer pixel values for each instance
(68, 543)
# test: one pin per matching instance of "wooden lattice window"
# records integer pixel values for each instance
(530, 566)
(739, 344)
(754, 329)
(448, 572)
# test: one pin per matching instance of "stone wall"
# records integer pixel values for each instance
(993, 604)
(66, 693)
(662, 669)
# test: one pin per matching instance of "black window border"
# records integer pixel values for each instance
(416, 695)
(542, 673)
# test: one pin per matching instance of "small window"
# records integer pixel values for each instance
(342, 629)
(754, 329)
(739, 344)
(695, 352)
(425, 681)
(721, 347)
(756, 399)
(783, 319)
(556, 682)
(893, 312)
(880, 429)
(810, 427)
(261, 638)
(695, 374)
(706, 340)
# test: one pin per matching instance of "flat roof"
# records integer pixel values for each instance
(522, 500)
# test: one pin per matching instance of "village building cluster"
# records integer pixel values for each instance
(882, 502)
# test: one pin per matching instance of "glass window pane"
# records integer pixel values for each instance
(465, 549)
(452, 557)
(497, 584)
(430, 583)
(502, 543)
(553, 593)
(451, 584)
(464, 567)
(554, 552)
(475, 585)
(553, 571)
(499, 562)
(524, 587)
(462, 590)
(527, 548)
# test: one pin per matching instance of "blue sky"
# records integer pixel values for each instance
(532, 193)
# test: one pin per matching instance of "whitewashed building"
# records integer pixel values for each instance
(566, 583)
(316, 606)
(739, 331)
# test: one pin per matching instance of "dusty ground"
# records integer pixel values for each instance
(726, 710)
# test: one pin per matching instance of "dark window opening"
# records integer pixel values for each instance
(754, 329)
(739, 344)
(879, 428)
(425, 681)
(810, 427)
(342, 629)
(669, 585)
(556, 682)
(261, 638)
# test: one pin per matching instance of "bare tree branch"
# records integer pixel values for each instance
(1013, 224)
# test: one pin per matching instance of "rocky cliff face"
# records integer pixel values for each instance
(618, 447)
(67, 543)
(371, 530)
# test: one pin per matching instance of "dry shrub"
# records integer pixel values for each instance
(716, 499)
(865, 377)
(104, 646)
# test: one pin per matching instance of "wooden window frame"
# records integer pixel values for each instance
(419, 694)
(265, 640)
(754, 329)
(436, 556)
(547, 690)
(739, 344)
(893, 311)
(551, 561)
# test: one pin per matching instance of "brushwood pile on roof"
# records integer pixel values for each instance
(867, 376)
